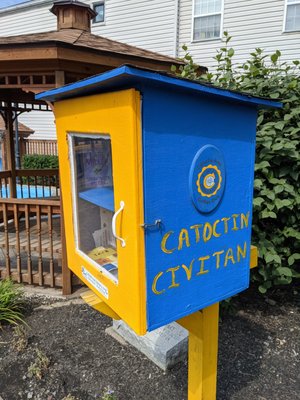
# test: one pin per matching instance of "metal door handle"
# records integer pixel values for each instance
(114, 222)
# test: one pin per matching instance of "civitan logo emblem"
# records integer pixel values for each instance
(209, 181)
(207, 178)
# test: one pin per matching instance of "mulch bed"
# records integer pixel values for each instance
(259, 354)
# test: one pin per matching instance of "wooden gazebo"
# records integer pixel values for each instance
(31, 237)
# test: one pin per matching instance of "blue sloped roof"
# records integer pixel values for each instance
(128, 76)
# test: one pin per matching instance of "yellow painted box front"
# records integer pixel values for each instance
(117, 115)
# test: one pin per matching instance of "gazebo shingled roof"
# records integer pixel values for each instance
(73, 48)
(80, 39)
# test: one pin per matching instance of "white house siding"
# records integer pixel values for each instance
(32, 17)
(143, 23)
(251, 23)
(41, 122)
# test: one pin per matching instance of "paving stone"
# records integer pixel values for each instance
(165, 346)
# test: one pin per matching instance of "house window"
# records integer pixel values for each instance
(292, 15)
(207, 19)
(99, 9)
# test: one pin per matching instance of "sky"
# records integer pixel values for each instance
(7, 3)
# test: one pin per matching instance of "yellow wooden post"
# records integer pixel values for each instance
(203, 327)
(202, 352)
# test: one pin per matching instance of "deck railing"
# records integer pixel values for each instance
(30, 239)
(38, 183)
(31, 183)
(36, 146)
(32, 242)
(5, 177)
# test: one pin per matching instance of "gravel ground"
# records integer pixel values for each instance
(259, 349)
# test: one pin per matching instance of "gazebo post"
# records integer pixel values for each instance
(11, 162)
(66, 272)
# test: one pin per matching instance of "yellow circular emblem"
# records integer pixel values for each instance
(208, 178)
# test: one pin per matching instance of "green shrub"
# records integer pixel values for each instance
(36, 161)
(11, 302)
(276, 212)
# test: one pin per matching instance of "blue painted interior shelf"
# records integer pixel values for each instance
(102, 197)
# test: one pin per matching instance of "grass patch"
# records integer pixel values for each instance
(11, 303)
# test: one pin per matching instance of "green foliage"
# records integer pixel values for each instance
(11, 303)
(276, 212)
(109, 394)
(40, 365)
(227, 307)
(36, 161)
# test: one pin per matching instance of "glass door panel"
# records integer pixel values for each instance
(93, 199)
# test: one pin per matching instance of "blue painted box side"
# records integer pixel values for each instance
(194, 259)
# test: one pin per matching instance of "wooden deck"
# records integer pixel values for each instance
(32, 242)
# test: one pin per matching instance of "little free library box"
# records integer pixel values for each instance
(157, 185)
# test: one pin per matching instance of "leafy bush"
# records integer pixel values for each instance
(276, 212)
(36, 161)
(11, 302)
